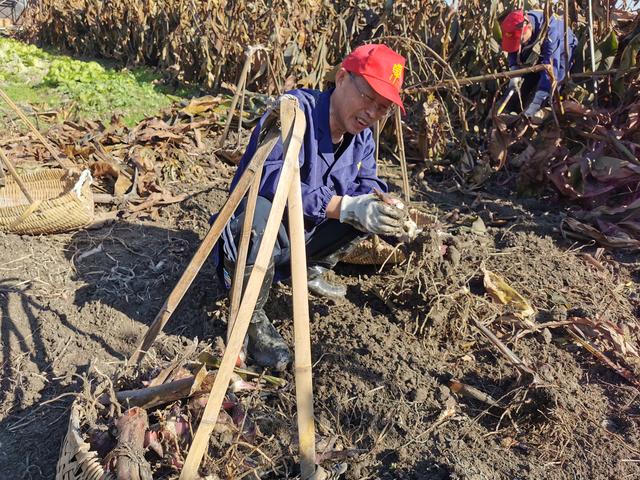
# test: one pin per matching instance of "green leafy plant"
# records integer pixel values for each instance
(35, 76)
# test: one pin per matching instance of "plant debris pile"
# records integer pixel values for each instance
(142, 424)
(134, 167)
(480, 348)
(436, 294)
(512, 308)
(587, 149)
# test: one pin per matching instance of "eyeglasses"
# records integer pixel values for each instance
(381, 110)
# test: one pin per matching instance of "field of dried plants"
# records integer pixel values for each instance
(504, 345)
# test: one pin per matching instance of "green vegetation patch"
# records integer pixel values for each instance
(30, 74)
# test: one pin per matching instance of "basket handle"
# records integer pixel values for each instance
(64, 163)
(7, 163)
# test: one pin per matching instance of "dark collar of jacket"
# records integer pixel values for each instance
(323, 129)
(536, 18)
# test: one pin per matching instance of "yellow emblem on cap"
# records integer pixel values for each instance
(396, 73)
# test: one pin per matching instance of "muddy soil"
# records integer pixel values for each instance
(383, 358)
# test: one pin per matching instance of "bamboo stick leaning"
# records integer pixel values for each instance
(302, 335)
(240, 90)
(406, 189)
(292, 140)
(7, 163)
(243, 249)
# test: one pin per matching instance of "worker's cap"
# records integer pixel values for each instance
(512, 27)
(381, 67)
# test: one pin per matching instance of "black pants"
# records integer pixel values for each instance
(322, 242)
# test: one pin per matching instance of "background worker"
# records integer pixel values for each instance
(527, 42)
(338, 174)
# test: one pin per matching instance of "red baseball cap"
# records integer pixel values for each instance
(512, 27)
(381, 67)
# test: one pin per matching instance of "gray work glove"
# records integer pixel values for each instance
(369, 214)
(536, 104)
(514, 83)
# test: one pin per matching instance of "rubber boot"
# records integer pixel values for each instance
(265, 345)
(319, 285)
(316, 273)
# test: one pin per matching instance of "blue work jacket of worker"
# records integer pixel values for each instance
(551, 49)
(322, 175)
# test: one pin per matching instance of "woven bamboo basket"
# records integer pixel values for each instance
(373, 251)
(421, 218)
(76, 461)
(61, 203)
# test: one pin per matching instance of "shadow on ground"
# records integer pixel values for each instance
(108, 286)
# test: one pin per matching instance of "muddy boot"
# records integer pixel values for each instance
(317, 272)
(264, 344)
(318, 283)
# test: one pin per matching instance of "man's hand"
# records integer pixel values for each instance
(515, 82)
(369, 214)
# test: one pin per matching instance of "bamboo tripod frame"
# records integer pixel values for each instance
(288, 193)
(176, 295)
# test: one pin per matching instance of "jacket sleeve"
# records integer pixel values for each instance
(512, 60)
(315, 198)
(549, 52)
(367, 180)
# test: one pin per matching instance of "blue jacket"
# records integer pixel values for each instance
(322, 176)
(353, 173)
(551, 49)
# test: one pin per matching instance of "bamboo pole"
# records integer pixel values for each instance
(406, 189)
(243, 249)
(7, 163)
(292, 143)
(304, 384)
(240, 112)
(63, 162)
(240, 88)
(205, 248)
(604, 73)
(376, 137)
(593, 53)
(478, 79)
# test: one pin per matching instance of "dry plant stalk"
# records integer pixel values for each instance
(507, 352)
